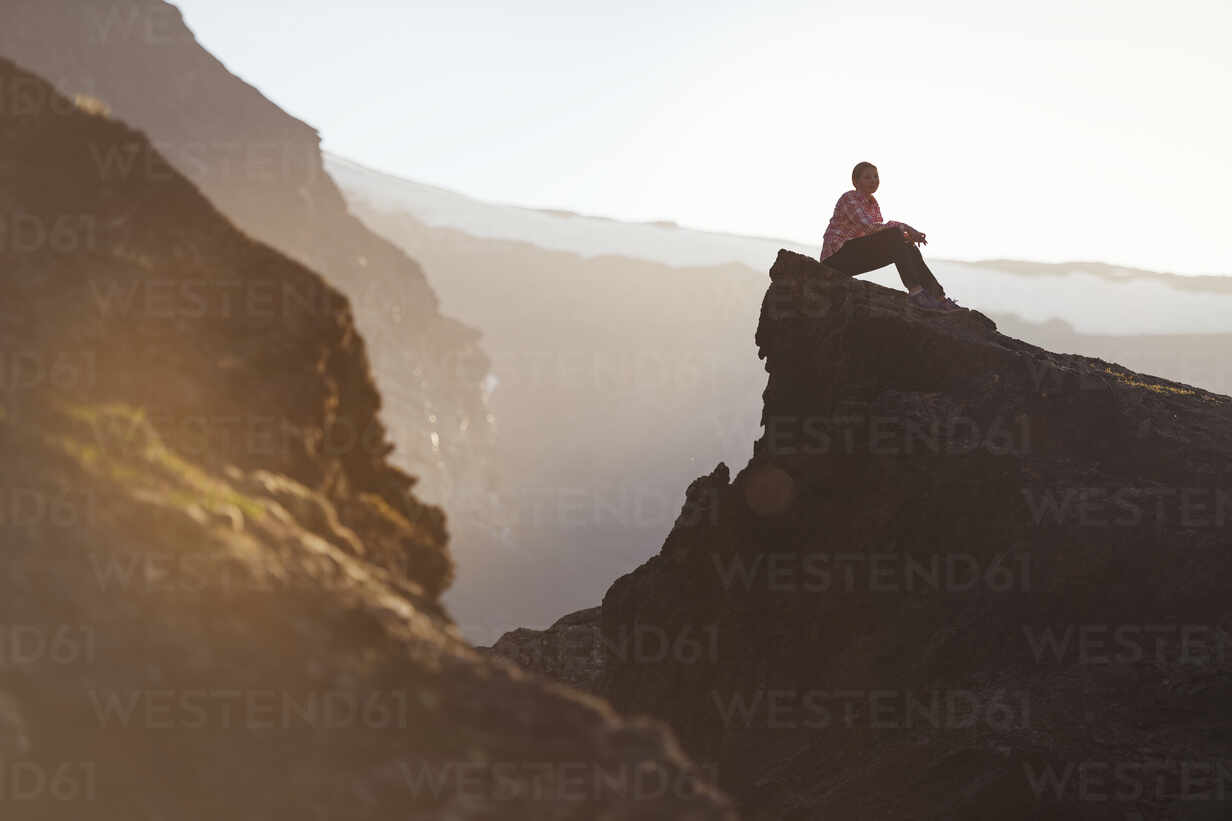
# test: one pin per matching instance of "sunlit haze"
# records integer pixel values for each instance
(1056, 131)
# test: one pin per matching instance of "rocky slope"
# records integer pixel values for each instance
(263, 169)
(961, 577)
(217, 597)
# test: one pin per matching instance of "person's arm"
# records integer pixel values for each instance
(911, 233)
(855, 213)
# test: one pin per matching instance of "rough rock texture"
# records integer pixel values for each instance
(569, 651)
(217, 600)
(263, 169)
(962, 577)
(140, 291)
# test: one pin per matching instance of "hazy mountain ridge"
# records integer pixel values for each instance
(1199, 282)
(201, 519)
(438, 206)
(580, 234)
(614, 380)
(264, 170)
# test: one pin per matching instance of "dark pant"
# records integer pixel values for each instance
(876, 250)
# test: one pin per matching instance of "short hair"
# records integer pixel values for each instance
(860, 166)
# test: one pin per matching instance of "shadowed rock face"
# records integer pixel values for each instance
(213, 603)
(962, 577)
(570, 650)
(263, 169)
(139, 292)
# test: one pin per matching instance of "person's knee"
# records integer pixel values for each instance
(895, 237)
(886, 238)
(898, 245)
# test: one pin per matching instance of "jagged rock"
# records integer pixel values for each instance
(956, 566)
(569, 651)
(201, 614)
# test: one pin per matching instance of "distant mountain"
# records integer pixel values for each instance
(1120, 273)
(552, 229)
(218, 597)
(263, 169)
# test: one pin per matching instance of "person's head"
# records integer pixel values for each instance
(864, 177)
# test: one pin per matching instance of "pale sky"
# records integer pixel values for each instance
(1052, 130)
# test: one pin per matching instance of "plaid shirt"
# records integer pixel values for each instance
(855, 215)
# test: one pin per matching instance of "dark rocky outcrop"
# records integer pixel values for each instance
(263, 169)
(218, 599)
(569, 651)
(961, 577)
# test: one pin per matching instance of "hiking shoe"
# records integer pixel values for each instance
(951, 305)
(928, 302)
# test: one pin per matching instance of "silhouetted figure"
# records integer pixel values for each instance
(857, 241)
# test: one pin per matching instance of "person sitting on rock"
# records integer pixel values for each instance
(857, 241)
